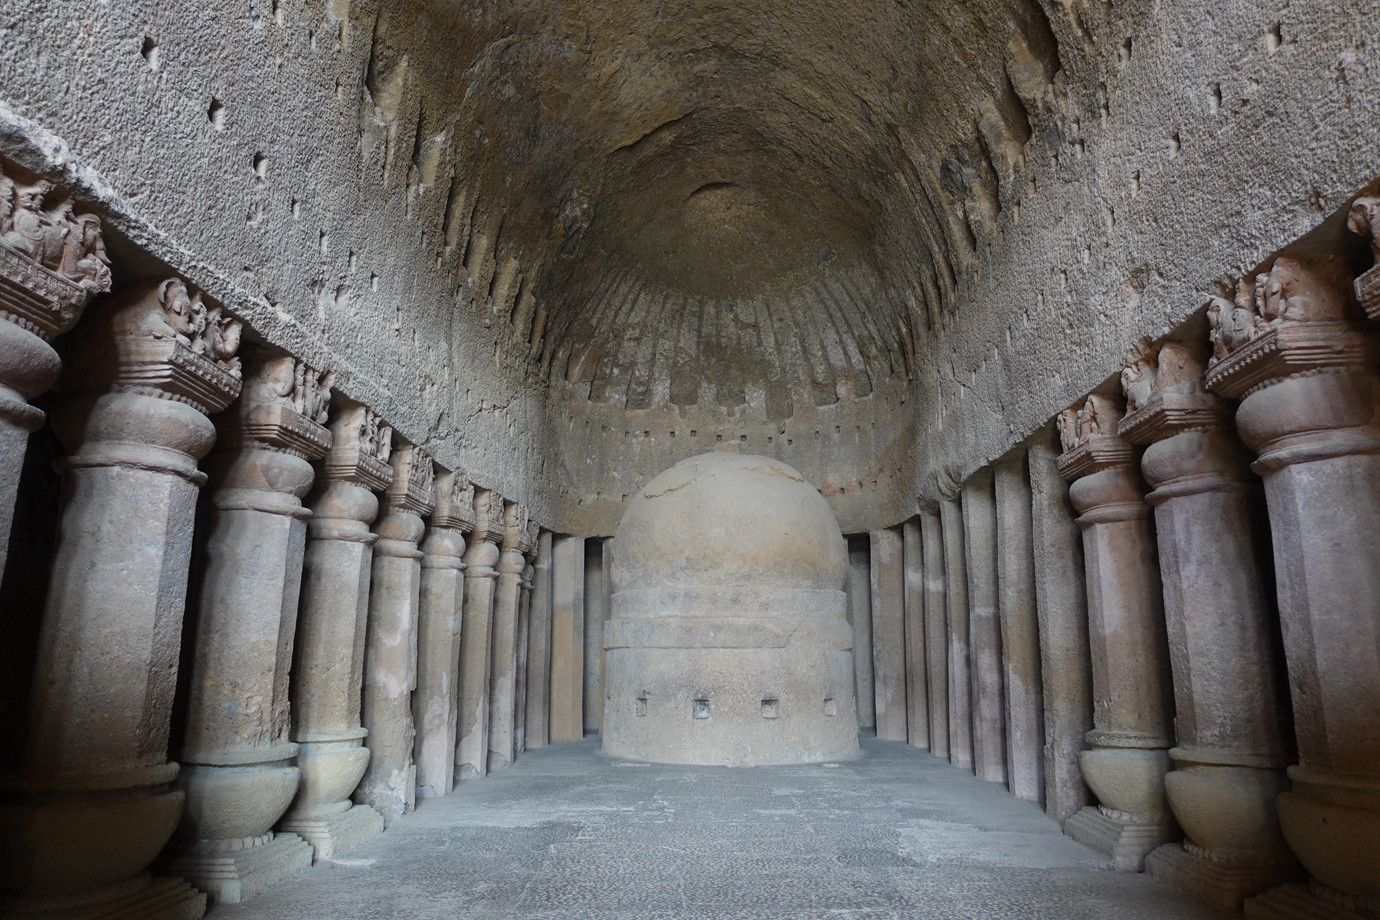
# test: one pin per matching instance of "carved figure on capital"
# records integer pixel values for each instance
(278, 389)
(361, 445)
(454, 503)
(488, 516)
(1364, 220)
(514, 526)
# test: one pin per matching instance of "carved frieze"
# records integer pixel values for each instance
(1301, 317)
(514, 527)
(1088, 435)
(1364, 220)
(1164, 391)
(52, 260)
(284, 405)
(413, 488)
(488, 516)
(361, 445)
(168, 345)
(454, 503)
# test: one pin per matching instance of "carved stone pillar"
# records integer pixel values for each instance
(503, 664)
(390, 645)
(1230, 758)
(888, 593)
(917, 690)
(936, 630)
(49, 270)
(1293, 347)
(472, 748)
(1061, 608)
(97, 799)
(567, 638)
(1132, 703)
(539, 648)
(960, 694)
(237, 759)
(984, 627)
(1020, 633)
(328, 664)
(435, 705)
(528, 545)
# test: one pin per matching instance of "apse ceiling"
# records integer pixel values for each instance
(722, 202)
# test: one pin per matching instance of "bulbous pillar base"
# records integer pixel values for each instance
(1133, 819)
(227, 848)
(141, 898)
(322, 814)
(1333, 824)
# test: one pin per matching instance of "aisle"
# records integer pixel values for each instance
(569, 834)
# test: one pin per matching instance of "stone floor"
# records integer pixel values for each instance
(567, 833)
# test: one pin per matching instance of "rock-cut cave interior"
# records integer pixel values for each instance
(774, 459)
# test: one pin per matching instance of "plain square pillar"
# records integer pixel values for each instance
(984, 627)
(917, 690)
(567, 638)
(888, 595)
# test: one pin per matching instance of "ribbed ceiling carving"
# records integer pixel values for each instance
(725, 202)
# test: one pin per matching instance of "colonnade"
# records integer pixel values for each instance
(1176, 649)
(265, 635)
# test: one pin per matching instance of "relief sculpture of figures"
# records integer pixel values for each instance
(57, 238)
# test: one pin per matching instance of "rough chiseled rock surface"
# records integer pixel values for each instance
(567, 244)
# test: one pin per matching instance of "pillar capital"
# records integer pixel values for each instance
(1166, 395)
(454, 508)
(1364, 220)
(1088, 435)
(361, 445)
(412, 490)
(283, 405)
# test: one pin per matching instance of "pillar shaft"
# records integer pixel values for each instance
(917, 689)
(476, 637)
(436, 704)
(956, 610)
(859, 590)
(567, 638)
(1132, 701)
(96, 795)
(888, 595)
(1062, 612)
(936, 631)
(523, 651)
(598, 594)
(332, 620)
(390, 646)
(984, 628)
(539, 648)
(1020, 633)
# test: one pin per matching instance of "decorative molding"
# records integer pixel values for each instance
(412, 490)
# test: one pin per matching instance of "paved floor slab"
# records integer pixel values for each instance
(567, 833)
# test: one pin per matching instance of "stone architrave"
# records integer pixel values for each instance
(1020, 632)
(567, 638)
(888, 592)
(1231, 753)
(1295, 349)
(984, 627)
(917, 691)
(936, 630)
(237, 757)
(1061, 609)
(476, 636)
(539, 647)
(328, 659)
(96, 800)
(1133, 703)
(49, 270)
(956, 609)
(436, 703)
(390, 645)
(503, 660)
(528, 545)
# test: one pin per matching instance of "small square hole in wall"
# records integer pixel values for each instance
(700, 708)
(640, 705)
(771, 708)
(829, 708)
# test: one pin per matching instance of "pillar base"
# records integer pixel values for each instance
(1217, 883)
(335, 835)
(1127, 842)
(1300, 902)
(234, 871)
(143, 898)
